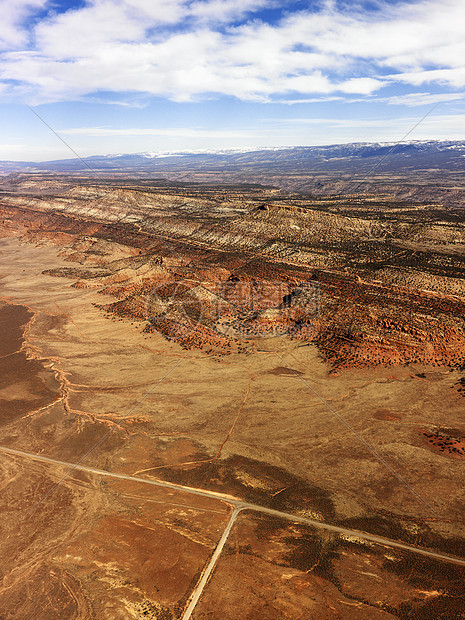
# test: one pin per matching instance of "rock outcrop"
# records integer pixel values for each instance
(370, 281)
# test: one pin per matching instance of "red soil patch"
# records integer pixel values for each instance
(386, 414)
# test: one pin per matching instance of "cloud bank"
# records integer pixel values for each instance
(260, 51)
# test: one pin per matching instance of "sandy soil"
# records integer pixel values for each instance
(272, 427)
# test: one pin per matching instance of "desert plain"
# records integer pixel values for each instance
(229, 403)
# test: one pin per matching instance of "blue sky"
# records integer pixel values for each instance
(122, 76)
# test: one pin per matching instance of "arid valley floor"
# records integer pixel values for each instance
(229, 402)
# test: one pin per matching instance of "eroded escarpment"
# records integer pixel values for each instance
(370, 280)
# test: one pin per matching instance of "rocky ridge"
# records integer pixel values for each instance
(384, 280)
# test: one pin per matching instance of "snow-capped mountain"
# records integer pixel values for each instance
(414, 154)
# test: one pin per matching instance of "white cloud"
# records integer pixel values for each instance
(417, 99)
(177, 132)
(452, 77)
(12, 33)
(437, 126)
(226, 10)
(294, 101)
(185, 50)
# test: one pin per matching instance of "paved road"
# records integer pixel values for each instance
(239, 505)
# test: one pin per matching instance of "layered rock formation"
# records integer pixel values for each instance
(370, 280)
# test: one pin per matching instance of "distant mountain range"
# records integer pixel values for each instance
(386, 157)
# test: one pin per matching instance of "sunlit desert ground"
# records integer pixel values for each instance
(270, 429)
(229, 404)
